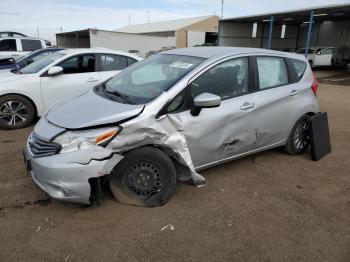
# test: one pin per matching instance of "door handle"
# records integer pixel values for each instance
(247, 106)
(294, 93)
(91, 80)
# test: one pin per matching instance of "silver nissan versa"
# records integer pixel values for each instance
(167, 117)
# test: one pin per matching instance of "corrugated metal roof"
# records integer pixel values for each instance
(164, 26)
(323, 8)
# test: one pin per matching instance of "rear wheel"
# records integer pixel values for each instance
(145, 177)
(15, 112)
(299, 138)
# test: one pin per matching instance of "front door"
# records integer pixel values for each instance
(79, 74)
(228, 130)
(324, 57)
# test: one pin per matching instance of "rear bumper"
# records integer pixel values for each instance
(66, 176)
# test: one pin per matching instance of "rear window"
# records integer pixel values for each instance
(299, 66)
(30, 45)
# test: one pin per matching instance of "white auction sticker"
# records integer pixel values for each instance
(181, 65)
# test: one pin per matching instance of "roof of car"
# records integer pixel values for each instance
(210, 52)
(97, 50)
(21, 37)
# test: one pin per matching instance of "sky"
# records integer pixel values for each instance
(49, 17)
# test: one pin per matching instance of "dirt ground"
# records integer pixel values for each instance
(267, 207)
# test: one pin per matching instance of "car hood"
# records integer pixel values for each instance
(7, 76)
(88, 110)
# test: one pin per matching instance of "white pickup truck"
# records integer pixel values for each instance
(15, 47)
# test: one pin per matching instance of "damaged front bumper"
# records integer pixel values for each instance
(66, 176)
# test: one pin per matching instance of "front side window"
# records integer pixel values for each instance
(327, 51)
(147, 79)
(40, 64)
(30, 45)
(226, 80)
(78, 64)
(112, 62)
(272, 72)
(178, 104)
(8, 45)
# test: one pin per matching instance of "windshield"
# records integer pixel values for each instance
(147, 79)
(40, 64)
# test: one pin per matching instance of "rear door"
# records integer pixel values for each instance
(79, 74)
(111, 64)
(279, 99)
(220, 133)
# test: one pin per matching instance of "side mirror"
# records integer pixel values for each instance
(55, 71)
(204, 100)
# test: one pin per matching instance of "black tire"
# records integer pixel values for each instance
(145, 177)
(15, 112)
(299, 138)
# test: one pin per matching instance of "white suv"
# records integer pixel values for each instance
(15, 47)
(30, 91)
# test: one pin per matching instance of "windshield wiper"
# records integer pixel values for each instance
(122, 96)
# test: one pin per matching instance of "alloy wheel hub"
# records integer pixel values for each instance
(13, 112)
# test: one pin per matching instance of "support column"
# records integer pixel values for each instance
(269, 40)
(309, 33)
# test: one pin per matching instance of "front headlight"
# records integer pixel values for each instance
(80, 140)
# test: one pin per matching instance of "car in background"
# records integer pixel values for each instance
(15, 47)
(149, 53)
(30, 91)
(134, 52)
(10, 33)
(27, 59)
(319, 56)
(169, 116)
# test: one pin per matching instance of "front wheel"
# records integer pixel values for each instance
(299, 138)
(15, 112)
(145, 177)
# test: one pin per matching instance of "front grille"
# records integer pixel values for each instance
(41, 148)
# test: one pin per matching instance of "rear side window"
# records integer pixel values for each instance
(30, 45)
(79, 64)
(299, 66)
(229, 79)
(272, 72)
(111, 62)
(131, 61)
(8, 45)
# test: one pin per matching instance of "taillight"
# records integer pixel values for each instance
(314, 86)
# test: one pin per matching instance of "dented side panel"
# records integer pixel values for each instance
(221, 132)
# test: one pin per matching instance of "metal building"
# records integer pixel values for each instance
(187, 32)
(146, 37)
(291, 30)
(114, 40)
